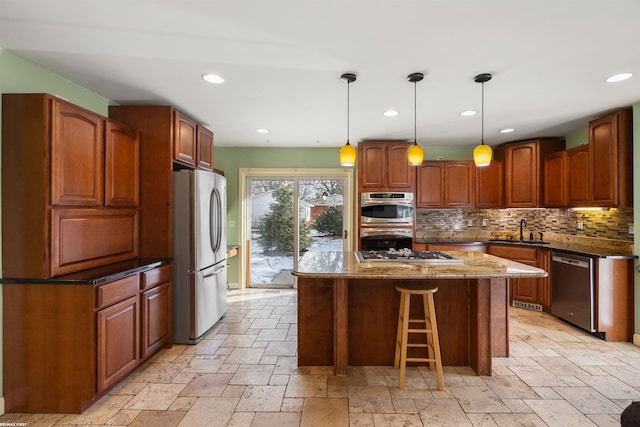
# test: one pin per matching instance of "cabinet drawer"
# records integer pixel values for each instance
(156, 276)
(118, 290)
(514, 253)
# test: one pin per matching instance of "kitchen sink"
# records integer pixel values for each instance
(527, 242)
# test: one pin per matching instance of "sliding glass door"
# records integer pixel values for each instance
(287, 215)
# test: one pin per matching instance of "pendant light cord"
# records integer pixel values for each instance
(482, 118)
(415, 114)
(348, 84)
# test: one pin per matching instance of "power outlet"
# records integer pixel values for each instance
(232, 224)
(469, 223)
(485, 222)
(580, 225)
(631, 228)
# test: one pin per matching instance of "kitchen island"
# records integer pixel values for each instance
(347, 309)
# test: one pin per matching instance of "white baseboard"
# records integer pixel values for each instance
(1, 405)
(636, 339)
(233, 285)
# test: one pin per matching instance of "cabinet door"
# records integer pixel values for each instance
(156, 318)
(458, 184)
(77, 156)
(555, 182)
(521, 175)
(490, 186)
(400, 176)
(578, 176)
(118, 341)
(544, 284)
(372, 166)
(610, 160)
(204, 147)
(184, 139)
(430, 185)
(122, 160)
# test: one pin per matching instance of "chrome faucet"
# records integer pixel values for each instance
(523, 222)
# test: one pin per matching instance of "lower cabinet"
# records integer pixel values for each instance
(533, 291)
(118, 337)
(66, 343)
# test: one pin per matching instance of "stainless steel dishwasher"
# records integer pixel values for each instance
(573, 289)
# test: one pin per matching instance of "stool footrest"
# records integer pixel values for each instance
(419, 359)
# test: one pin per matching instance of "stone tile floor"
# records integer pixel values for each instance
(244, 373)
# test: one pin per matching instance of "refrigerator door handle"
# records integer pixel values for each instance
(215, 272)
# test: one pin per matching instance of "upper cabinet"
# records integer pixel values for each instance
(555, 179)
(77, 155)
(69, 188)
(524, 166)
(383, 166)
(577, 180)
(489, 185)
(168, 139)
(445, 184)
(596, 174)
(610, 160)
(192, 143)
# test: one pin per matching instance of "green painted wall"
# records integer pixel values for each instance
(578, 138)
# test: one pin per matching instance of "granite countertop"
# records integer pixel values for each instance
(476, 265)
(96, 276)
(570, 247)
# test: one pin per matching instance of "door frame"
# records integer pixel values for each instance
(348, 208)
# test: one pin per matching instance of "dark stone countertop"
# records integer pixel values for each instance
(96, 276)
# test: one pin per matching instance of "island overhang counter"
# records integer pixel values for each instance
(347, 310)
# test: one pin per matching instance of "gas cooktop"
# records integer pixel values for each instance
(434, 257)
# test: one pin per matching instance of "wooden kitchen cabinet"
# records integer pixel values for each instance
(578, 176)
(76, 150)
(58, 163)
(445, 184)
(383, 166)
(67, 343)
(122, 163)
(156, 311)
(184, 138)
(544, 284)
(610, 160)
(524, 170)
(521, 289)
(204, 149)
(192, 143)
(118, 341)
(555, 179)
(489, 186)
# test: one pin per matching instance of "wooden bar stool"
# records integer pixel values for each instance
(430, 330)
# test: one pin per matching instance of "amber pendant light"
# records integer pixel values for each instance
(348, 151)
(482, 154)
(415, 154)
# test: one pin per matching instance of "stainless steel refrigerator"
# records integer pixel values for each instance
(199, 253)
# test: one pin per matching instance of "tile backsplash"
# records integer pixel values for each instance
(593, 225)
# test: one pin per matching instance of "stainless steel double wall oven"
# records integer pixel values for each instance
(386, 220)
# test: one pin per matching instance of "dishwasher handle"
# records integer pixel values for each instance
(570, 261)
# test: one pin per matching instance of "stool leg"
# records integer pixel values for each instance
(428, 326)
(405, 335)
(436, 342)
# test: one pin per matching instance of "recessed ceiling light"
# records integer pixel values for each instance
(506, 130)
(212, 78)
(390, 113)
(618, 77)
(262, 130)
(468, 113)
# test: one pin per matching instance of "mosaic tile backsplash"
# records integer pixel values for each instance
(607, 227)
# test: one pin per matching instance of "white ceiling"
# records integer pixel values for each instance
(282, 61)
